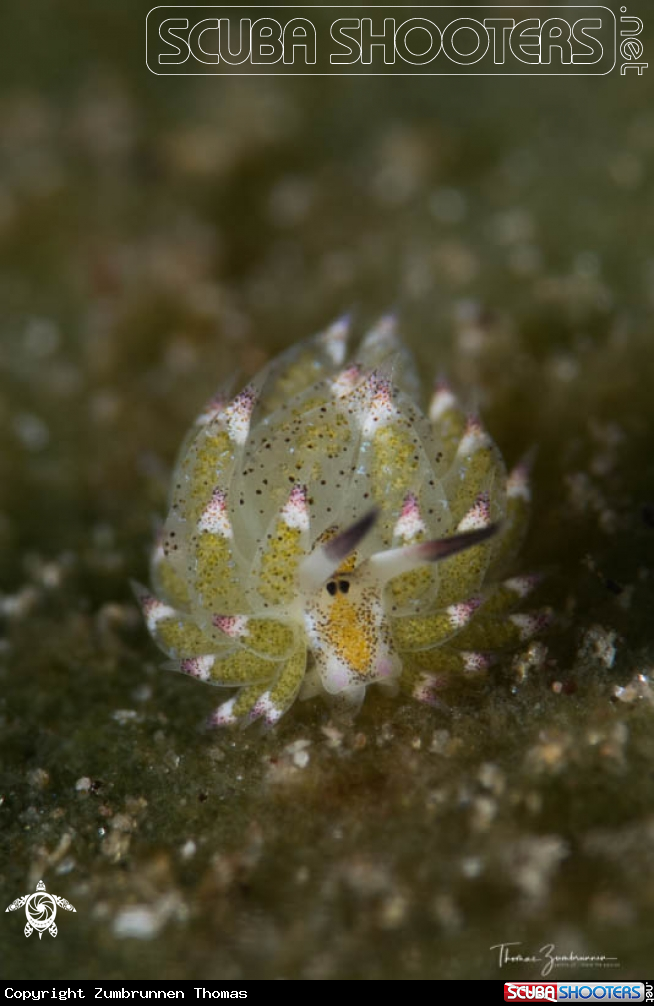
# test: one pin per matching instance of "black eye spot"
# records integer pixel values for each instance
(343, 586)
(331, 587)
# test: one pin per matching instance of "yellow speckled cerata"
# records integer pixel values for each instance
(325, 535)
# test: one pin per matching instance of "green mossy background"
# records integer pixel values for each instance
(160, 234)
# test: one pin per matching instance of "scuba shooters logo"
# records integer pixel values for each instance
(574, 991)
(40, 910)
(487, 40)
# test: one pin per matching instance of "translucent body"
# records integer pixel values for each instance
(325, 535)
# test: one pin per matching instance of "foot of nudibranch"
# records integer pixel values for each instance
(347, 702)
(346, 705)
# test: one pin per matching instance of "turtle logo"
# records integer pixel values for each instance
(40, 909)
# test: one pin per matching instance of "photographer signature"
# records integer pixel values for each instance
(549, 959)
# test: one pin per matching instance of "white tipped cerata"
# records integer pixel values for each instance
(325, 534)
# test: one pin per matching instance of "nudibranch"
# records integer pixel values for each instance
(325, 535)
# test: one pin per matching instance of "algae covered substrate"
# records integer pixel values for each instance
(158, 235)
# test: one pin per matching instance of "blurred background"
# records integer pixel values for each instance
(158, 234)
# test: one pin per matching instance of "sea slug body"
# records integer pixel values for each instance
(325, 534)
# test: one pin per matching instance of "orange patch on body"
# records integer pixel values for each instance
(346, 632)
